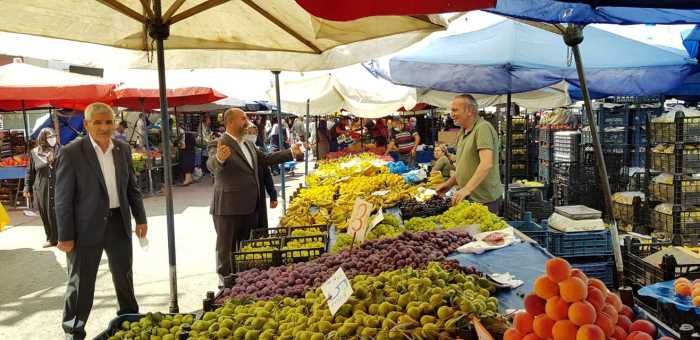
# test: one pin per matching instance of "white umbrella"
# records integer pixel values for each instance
(269, 34)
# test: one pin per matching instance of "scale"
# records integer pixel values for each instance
(578, 212)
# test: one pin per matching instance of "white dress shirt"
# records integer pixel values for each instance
(246, 152)
(109, 173)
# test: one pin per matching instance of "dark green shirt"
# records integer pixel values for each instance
(481, 136)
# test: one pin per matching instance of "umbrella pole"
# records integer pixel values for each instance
(318, 120)
(279, 137)
(145, 144)
(307, 135)
(573, 37)
(509, 146)
(27, 137)
(56, 126)
(159, 32)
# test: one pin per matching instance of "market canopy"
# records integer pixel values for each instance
(691, 41)
(27, 86)
(251, 34)
(70, 126)
(512, 57)
(356, 9)
(149, 99)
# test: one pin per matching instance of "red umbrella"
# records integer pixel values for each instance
(132, 98)
(344, 10)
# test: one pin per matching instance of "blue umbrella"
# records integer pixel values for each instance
(691, 41)
(582, 12)
(70, 127)
(512, 57)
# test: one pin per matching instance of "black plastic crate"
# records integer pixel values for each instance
(320, 238)
(115, 324)
(689, 194)
(683, 129)
(640, 273)
(685, 227)
(579, 244)
(666, 162)
(606, 137)
(260, 233)
(628, 213)
(289, 256)
(263, 259)
(601, 268)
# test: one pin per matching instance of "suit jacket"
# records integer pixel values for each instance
(82, 203)
(236, 182)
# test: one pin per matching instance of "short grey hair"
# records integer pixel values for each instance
(469, 100)
(97, 107)
(228, 115)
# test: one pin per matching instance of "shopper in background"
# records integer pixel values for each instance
(322, 140)
(120, 132)
(443, 163)
(40, 180)
(477, 174)
(267, 185)
(404, 142)
(298, 130)
(338, 132)
(380, 132)
(96, 193)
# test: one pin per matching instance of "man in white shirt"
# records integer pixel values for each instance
(96, 194)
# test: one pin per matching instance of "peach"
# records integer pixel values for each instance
(696, 301)
(545, 288)
(637, 335)
(542, 326)
(624, 322)
(619, 334)
(596, 298)
(683, 289)
(564, 330)
(531, 336)
(512, 334)
(695, 292)
(522, 321)
(610, 311)
(598, 284)
(627, 311)
(580, 274)
(534, 304)
(615, 301)
(605, 322)
(558, 269)
(582, 313)
(573, 290)
(556, 308)
(590, 332)
(643, 326)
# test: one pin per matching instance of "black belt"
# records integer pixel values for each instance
(114, 212)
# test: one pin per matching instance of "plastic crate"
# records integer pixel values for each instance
(259, 233)
(689, 195)
(533, 230)
(585, 243)
(115, 324)
(687, 228)
(323, 228)
(628, 213)
(545, 171)
(600, 268)
(321, 238)
(640, 273)
(667, 132)
(289, 256)
(666, 162)
(261, 259)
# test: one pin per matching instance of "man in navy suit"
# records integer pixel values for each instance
(96, 193)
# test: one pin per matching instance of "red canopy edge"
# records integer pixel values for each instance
(345, 10)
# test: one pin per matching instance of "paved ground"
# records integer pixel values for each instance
(32, 279)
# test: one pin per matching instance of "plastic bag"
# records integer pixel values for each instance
(397, 167)
(414, 176)
(4, 217)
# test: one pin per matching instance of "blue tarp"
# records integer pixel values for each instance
(70, 126)
(562, 12)
(676, 4)
(514, 57)
(691, 41)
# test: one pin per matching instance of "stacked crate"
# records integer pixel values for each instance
(674, 148)
(519, 168)
(546, 150)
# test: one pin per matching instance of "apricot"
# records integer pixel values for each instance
(582, 313)
(545, 288)
(643, 326)
(531, 336)
(610, 311)
(512, 334)
(637, 335)
(683, 289)
(596, 298)
(681, 279)
(615, 301)
(619, 334)
(605, 322)
(595, 282)
(558, 269)
(556, 308)
(695, 291)
(624, 322)
(522, 321)
(534, 304)
(627, 311)
(564, 330)
(590, 332)
(696, 301)
(542, 326)
(580, 274)
(573, 290)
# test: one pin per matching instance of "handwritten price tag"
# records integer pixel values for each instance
(358, 219)
(378, 218)
(380, 192)
(337, 290)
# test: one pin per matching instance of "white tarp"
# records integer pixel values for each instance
(253, 34)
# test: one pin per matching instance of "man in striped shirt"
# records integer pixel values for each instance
(404, 141)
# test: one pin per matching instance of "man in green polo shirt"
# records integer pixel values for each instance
(477, 174)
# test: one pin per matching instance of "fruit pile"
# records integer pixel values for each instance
(567, 305)
(434, 303)
(164, 327)
(389, 227)
(683, 287)
(299, 212)
(434, 206)
(464, 213)
(370, 258)
(329, 172)
(14, 161)
(435, 179)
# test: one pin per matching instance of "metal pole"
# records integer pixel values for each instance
(145, 143)
(509, 144)
(573, 37)
(159, 32)
(307, 135)
(279, 137)
(56, 126)
(27, 137)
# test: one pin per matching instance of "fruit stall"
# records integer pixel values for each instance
(367, 250)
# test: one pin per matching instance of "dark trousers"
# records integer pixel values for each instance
(83, 263)
(44, 203)
(230, 231)
(495, 206)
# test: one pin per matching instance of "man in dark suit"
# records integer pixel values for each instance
(96, 193)
(234, 163)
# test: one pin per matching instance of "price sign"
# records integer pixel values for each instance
(358, 219)
(337, 290)
(380, 192)
(378, 218)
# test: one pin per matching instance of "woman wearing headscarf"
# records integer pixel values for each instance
(322, 140)
(40, 179)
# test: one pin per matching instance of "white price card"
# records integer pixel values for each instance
(378, 218)
(342, 179)
(358, 219)
(337, 290)
(380, 192)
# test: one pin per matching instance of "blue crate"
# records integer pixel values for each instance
(583, 243)
(603, 270)
(533, 230)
